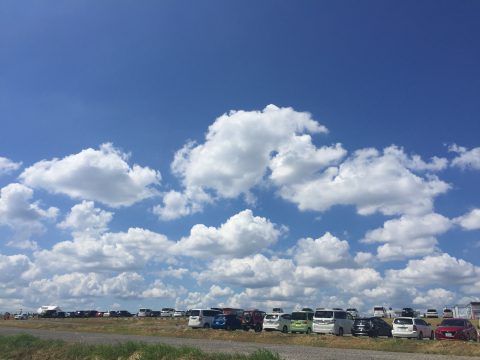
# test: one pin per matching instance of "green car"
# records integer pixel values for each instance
(302, 321)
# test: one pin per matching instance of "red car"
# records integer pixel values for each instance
(456, 329)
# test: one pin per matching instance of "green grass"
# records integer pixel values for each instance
(24, 347)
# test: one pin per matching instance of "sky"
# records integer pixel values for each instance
(239, 153)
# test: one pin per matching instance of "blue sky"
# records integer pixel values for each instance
(272, 153)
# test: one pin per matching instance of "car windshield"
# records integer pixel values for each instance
(431, 310)
(378, 309)
(195, 313)
(220, 317)
(271, 317)
(324, 314)
(452, 322)
(299, 316)
(362, 321)
(403, 321)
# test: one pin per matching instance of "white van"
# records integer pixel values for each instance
(379, 311)
(331, 321)
(200, 318)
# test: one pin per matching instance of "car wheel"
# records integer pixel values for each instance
(206, 326)
(432, 336)
(258, 328)
(309, 331)
(340, 332)
(390, 334)
(245, 328)
(285, 329)
(420, 336)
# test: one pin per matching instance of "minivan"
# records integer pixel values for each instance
(302, 321)
(202, 318)
(379, 311)
(330, 321)
(144, 312)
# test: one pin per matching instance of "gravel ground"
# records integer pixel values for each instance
(288, 352)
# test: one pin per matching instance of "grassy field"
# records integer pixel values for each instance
(23, 347)
(178, 328)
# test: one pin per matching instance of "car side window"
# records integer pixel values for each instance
(420, 322)
(349, 316)
(340, 315)
(310, 316)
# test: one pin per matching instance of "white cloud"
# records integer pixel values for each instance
(435, 298)
(408, 236)
(86, 220)
(364, 258)
(177, 204)
(79, 285)
(327, 250)
(442, 269)
(241, 235)
(100, 175)
(177, 273)
(123, 251)
(238, 150)
(161, 290)
(470, 221)
(214, 297)
(466, 159)
(345, 279)
(371, 181)
(7, 165)
(254, 272)
(13, 269)
(25, 217)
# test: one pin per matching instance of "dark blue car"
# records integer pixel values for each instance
(227, 322)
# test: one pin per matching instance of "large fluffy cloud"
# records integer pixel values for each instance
(371, 181)
(327, 250)
(466, 159)
(25, 217)
(101, 175)
(408, 236)
(442, 269)
(241, 235)
(239, 149)
(7, 165)
(84, 220)
(469, 221)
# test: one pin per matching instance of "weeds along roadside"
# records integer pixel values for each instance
(20, 347)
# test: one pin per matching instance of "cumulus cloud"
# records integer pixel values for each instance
(85, 219)
(13, 269)
(215, 296)
(371, 181)
(327, 250)
(254, 272)
(123, 251)
(238, 151)
(23, 216)
(466, 159)
(161, 290)
(442, 269)
(469, 221)
(79, 285)
(241, 235)
(408, 236)
(7, 165)
(436, 298)
(100, 175)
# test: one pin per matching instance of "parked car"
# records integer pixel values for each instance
(202, 318)
(447, 313)
(178, 313)
(354, 312)
(379, 311)
(431, 313)
(302, 321)
(337, 322)
(156, 313)
(253, 319)
(144, 312)
(410, 327)
(371, 326)
(20, 316)
(123, 313)
(408, 312)
(456, 329)
(227, 322)
(277, 321)
(167, 312)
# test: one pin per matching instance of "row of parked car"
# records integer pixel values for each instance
(330, 321)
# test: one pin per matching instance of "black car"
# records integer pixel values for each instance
(124, 313)
(408, 312)
(371, 326)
